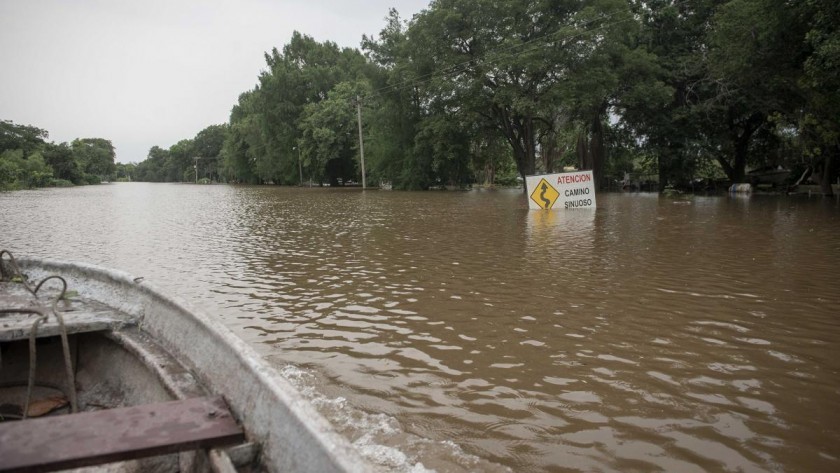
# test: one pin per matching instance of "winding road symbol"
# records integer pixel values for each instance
(544, 195)
(544, 188)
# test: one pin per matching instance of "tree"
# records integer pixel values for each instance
(29, 161)
(125, 172)
(518, 66)
(695, 88)
(447, 142)
(152, 169)
(242, 142)
(95, 157)
(481, 65)
(207, 145)
(21, 161)
(20, 171)
(23, 137)
(819, 124)
(264, 126)
(670, 129)
(62, 160)
(610, 73)
(180, 162)
(391, 130)
(329, 142)
(753, 73)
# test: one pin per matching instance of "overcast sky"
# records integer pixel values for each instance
(152, 72)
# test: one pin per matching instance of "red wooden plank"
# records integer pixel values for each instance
(92, 438)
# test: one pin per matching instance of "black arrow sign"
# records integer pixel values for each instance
(544, 189)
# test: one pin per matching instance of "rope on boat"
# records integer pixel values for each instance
(42, 316)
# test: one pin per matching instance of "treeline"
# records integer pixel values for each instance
(27, 160)
(187, 160)
(471, 90)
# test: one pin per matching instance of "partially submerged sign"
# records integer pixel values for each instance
(568, 190)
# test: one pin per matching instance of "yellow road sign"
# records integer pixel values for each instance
(544, 195)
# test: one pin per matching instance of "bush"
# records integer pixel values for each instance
(8, 173)
(507, 180)
(60, 183)
(17, 171)
(92, 179)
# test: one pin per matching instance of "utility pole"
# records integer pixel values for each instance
(361, 140)
(300, 166)
(195, 166)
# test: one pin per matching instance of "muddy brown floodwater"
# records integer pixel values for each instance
(458, 331)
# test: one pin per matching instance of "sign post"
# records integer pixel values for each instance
(568, 190)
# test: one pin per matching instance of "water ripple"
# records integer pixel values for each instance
(461, 331)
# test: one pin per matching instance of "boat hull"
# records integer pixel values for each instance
(291, 435)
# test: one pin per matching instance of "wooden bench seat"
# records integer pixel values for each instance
(93, 438)
(79, 315)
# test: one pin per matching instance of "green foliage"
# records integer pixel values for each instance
(124, 171)
(207, 145)
(22, 164)
(445, 142)
(63, 162)
(95, 156)
(818, 122)
(476, 91)
(60, 183)
(179, 166)
(329, 142)
(18, 171)
(283, 111)
(27, 160)
(393, 123)
(91, 179)
(185, 161)
(23, 137)
(9, 170)
(152, 168)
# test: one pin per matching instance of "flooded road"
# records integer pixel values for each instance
(458, 331)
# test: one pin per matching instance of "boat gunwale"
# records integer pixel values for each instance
(292, 434)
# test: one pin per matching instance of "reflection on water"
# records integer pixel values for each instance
(462, 332)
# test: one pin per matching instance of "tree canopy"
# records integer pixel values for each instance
(27, 160)
(481, 91)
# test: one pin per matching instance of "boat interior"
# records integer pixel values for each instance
(83, 386)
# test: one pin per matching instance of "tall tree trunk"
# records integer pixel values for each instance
(825, 174)
(519, 132)
(530, 142)
(549, 152)
(598, 150)
(741, 134)
(582, 151)
(739, 167)
(663, 164)
(591, 150)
